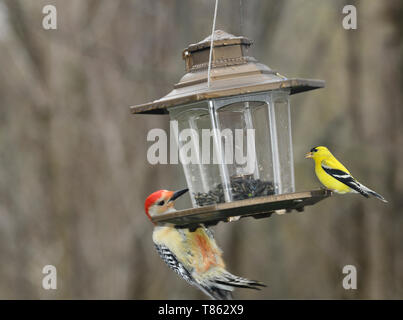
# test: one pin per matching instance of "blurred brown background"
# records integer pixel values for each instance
(73, 168)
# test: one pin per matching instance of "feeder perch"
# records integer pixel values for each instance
(244, 96)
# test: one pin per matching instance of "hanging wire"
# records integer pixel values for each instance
(240, 18)
(211, 45)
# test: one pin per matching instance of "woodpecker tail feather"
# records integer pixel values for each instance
(220, 286)
(235, 281)
(216, 293)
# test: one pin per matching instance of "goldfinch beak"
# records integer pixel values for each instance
(308, 155)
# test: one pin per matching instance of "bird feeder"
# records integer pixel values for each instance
(234, 134)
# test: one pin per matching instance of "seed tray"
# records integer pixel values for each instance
(259, 207)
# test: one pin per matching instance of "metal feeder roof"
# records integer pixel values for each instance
(233, 72)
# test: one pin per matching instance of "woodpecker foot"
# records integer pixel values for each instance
(281, 211)
(231, 219)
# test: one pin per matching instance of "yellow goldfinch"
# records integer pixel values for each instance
(334, 176)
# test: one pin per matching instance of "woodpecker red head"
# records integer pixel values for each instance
(162, 201)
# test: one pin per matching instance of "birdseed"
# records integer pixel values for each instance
(242, 187)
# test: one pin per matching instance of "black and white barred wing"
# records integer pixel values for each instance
(347, 179)
(171, 260)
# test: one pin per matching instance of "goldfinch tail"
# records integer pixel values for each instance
(377, 195)
(368, 192)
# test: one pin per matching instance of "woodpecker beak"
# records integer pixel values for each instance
(177, 194)
(308, 155)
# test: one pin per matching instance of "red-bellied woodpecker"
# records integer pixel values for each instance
(195, 255)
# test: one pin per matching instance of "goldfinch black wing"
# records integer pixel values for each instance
(347, 179)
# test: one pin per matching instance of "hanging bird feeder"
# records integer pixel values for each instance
(234, 134)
